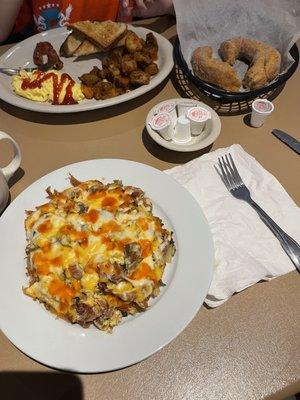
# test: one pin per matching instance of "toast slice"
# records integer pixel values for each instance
(103, 34)
(86, 48)
(122, 41)
(71, 44)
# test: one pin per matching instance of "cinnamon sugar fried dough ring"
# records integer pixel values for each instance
(214, 71)
(264, 60)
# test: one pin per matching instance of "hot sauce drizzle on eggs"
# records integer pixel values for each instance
(57, 83)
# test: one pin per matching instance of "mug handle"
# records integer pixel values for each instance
(11, 168)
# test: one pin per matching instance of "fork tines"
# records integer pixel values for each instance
(228, 172)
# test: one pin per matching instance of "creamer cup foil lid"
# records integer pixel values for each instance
(262, 106)
(187, 104)
(166, 107)
(198, 114)
(160, 121)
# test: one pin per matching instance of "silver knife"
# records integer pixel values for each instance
(287, 139)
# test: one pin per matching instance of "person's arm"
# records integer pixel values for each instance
(9, 12)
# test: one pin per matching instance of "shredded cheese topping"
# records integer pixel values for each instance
(96, 252)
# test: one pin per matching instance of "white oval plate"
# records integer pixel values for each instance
(21, 56)
(58, 344)
(208, 136)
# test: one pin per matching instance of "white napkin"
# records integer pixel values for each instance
(246, 251)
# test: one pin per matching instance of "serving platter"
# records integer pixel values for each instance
(21, 54)
(56, 343)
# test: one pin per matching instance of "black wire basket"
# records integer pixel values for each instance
(222, 95)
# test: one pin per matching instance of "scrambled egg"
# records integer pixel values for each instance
(96, 253)
(45, 92)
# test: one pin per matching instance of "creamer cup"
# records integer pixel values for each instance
(162, 123)
(198, 116)
(182, 107)
(182, 130)
(261, 108)
(168, 107)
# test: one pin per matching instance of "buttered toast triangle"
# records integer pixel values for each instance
(86, 48)
(103, 34)
(72, 42)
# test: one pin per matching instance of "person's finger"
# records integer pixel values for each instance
(127, 11)
(154, 9)
(140, 4)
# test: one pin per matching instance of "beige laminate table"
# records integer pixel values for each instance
(249, 348)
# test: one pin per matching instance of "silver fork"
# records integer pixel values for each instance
(234, 183)
(14, 71)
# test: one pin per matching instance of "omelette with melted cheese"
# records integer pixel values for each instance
(96, 253)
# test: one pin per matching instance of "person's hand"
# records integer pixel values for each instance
(149, 8)
(152, 8)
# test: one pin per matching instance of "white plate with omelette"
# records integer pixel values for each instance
(21, 55)
(69, 346)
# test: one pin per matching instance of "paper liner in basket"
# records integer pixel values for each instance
(210, 22)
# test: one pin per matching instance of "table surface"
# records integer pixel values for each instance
(249, 348)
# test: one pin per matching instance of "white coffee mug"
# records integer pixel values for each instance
(7, 172)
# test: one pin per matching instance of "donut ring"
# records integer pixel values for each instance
(264, 60)
(214, 71)
(46, 49)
